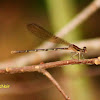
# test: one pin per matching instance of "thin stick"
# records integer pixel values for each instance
(48, 75)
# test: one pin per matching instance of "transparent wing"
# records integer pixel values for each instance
(43, 34)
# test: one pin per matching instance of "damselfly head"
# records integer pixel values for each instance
(84, 49)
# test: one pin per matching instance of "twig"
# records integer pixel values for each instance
(48, 65)
(47, 74)
(89, 10)
(41, 68)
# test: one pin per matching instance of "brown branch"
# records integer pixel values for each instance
(48, 65)
(41, 68)
(48, 75)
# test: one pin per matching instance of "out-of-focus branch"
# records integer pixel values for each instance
(33, 58)
(48, 75)
(48, 65)
(81, 17)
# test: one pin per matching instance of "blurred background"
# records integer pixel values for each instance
(80, 82)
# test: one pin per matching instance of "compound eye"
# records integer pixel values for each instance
(84, 47)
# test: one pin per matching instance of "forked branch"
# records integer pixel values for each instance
(42, 69)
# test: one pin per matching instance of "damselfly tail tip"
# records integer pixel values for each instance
(14, 52)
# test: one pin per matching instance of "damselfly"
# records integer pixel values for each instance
(40, 32)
